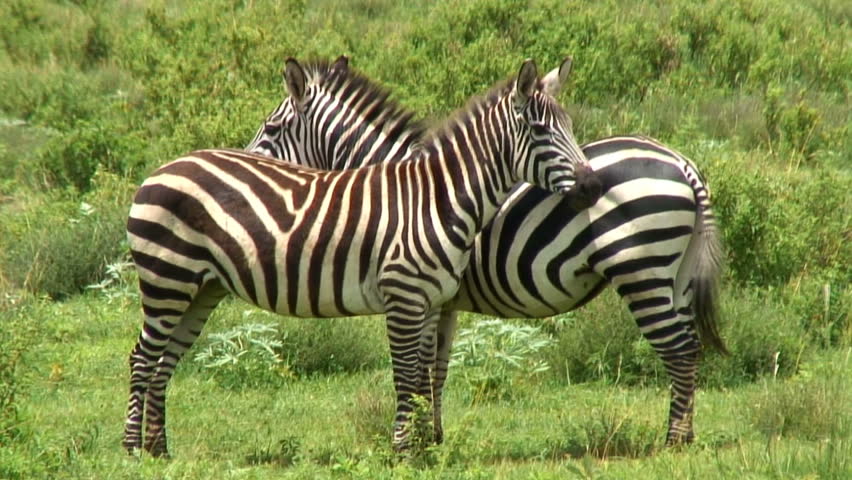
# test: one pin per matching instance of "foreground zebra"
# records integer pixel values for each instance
(652, 234)
(393, 238)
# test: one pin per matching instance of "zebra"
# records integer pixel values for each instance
(389, 238)
(652, 235)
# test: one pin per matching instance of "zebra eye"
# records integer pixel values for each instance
(540, 129)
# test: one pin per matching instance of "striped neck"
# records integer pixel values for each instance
(470, 163)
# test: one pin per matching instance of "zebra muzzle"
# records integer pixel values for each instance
(587, 188)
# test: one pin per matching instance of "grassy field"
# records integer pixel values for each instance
(336, 424)
(97, 93)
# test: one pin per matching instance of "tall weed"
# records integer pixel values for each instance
(248, 355)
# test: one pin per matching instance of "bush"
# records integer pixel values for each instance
(334, 345)
(607, 432)
(285, 454)
(245, 356)
(18, 335)
(601, 342)
(372, 410)
(764, 338)
(58, 244)
(805, 406)
(72, 159)
(775, 224)
(493, 356)
(823, 303)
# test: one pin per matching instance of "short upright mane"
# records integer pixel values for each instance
(474, 105)
(375, 105)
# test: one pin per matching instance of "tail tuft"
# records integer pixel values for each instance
(705, 282)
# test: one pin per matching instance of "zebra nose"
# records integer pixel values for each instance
(587, 188)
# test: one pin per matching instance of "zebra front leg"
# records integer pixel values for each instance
(405, 331)
(446, 331)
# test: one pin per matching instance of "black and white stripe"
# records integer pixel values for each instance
(358, 122)
(652, 235)
(392, 237)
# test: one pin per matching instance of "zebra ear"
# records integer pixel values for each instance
(341, 64)
(552, 83)
(295, 79)
(526, 84)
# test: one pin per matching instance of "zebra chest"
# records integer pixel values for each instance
(421, 275)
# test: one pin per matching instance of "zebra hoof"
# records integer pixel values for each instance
(134, 452)
(158, 450)
(676, 440)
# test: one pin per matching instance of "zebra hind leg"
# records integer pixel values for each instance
(682, 369)
(143, 360)
(679, 351)
(673, 338)
(140, 374)
(183, 337)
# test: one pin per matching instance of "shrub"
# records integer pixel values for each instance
(98, 46)
(18, 335)
(57, 244)
(284, 454)
(333, 345)
(776, 224)
(372, 410)
(764, 338)
(822, 302)
(245, 356)
(420, 445)
(806, 406)
(609, 431)
(601, 342)
(493, 356)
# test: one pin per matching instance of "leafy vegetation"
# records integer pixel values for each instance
(97, 94)
(495, 357)
(246, 354)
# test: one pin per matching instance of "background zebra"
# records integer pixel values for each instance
(652, 235)
(392, 238)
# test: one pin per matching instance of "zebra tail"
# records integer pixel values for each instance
(706, 272)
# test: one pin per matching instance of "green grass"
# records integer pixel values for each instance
(72, 399)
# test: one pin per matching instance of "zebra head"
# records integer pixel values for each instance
(286, 133)
(547, 153)
(335, 118)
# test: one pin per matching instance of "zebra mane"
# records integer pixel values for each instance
(374, 104)
(480, 103)
(473, 106)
